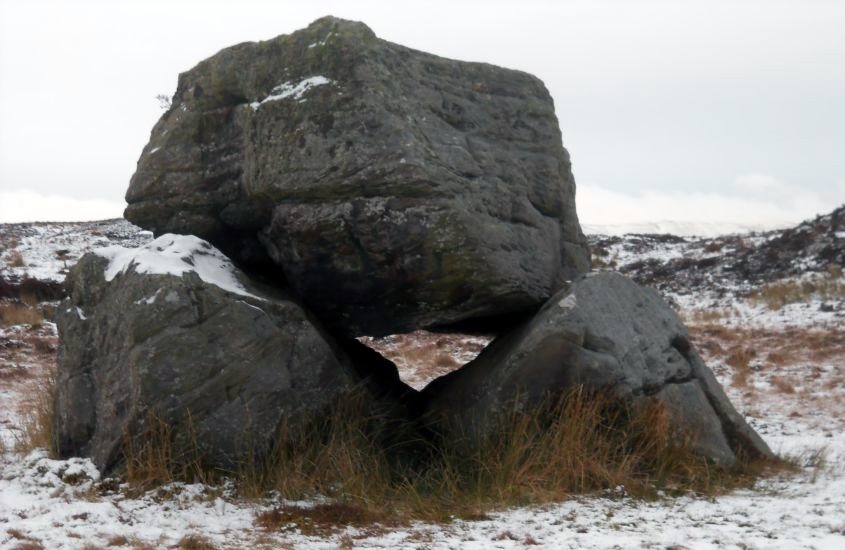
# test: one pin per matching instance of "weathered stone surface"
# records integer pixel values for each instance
(607, 333)
(396, 189)
(179, 334)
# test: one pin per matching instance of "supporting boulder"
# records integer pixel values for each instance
(171, 334)
(606, 333)
(393, 188)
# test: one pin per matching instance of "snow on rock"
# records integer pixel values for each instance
(175, 255)
(294, 90)
(321, 42)
(150, 300)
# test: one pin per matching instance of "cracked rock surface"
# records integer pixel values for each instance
(391, 189)
(607, 333)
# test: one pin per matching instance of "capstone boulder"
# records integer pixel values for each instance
(391, 189)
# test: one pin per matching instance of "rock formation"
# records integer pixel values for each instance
(172, 332)
(394, 188)
(384, 190)
(606, 333)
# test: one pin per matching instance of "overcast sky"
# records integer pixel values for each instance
(683, 110)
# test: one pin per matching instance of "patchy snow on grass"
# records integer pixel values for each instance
(48, 249)
(681, 228)
(422, 356)
(794, 396)
(175, 255)
(59, 505)
(292, 90)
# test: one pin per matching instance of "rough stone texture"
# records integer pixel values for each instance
(170, 346)
(605, 332)
(406, 191)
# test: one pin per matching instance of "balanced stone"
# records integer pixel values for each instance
(391, 189)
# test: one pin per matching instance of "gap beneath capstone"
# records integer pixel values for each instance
(422, 356)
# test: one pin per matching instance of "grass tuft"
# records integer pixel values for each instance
(375, 471)
(14, 313)
(195, 542)
(320, 519)
(14, 258)
(583, 443)
(38, 416)
(825, 286)
(740, 360)
(151, 458)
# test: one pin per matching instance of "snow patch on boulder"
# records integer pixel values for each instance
(289, 89)
(175, 255)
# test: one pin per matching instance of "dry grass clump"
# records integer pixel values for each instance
(321, 519)
(195, 542)
(16, 313)
(767, 347)
(378, 472)
(37, 415)
(711, 315)
(713, 246)
(152, 458)
(25, 542)
(740, 360)
(118, 540)
(349, 452)
(14, 258)
(583, 443)
(603, 262)
(783, 384)
(826, 286)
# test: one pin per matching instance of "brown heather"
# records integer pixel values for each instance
(37, 415)
(826, 286)
(381, 474)
(581, 444)
(14, 259)
(15, 313)
(770, 347)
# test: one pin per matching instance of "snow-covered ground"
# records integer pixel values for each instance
(792, 390)
(47, 249)
(672, 227)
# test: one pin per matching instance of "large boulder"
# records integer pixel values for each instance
(171, 332)
(396, 189)
(606, 333)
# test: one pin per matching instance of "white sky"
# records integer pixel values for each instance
(680, 110)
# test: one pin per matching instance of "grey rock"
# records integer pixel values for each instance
(394, 188)
(607, 333)
(222, 366)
